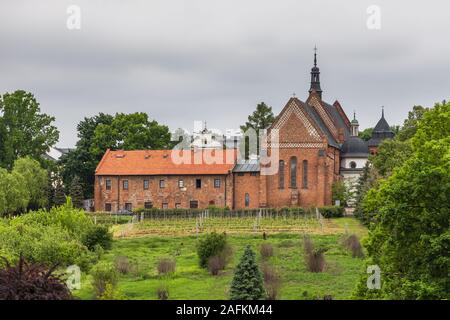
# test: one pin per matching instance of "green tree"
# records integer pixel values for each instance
(340, 192)
(260, 119)
(14, 197)
(81, 162)
(35, 179)
(391, 153)
(409, 127)
(59, 195)
(24, 130)
(247, 282)
(366, 134)
(130, 132)
(76, 193)
(410, 238)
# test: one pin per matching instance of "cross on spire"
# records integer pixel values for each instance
(315, 76)
(315, 56)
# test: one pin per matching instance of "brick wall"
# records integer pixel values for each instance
(171, 194)
(246, 183)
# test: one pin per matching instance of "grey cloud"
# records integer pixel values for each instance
(214, 60)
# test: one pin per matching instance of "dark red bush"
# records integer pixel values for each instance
(26, 281)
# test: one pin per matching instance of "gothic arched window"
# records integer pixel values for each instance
(293, 170)
(281, 174)
(305, 174)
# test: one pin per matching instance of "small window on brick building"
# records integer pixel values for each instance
(108, 184)
(281, 174)
(162, 184)
(352, 164)
(305, 174)
(165, 205)
(247, 199)
(240, 174)
(212, 203)
(148, 205)
(193, 204)
(125, 184)
(146, 184)
(198, 183)
(128, 207)
(181, 183)
(178, 205)
(254, 174)
(108, 207)
(216, 183)
(293, 172)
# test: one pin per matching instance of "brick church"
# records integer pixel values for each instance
(317, 145)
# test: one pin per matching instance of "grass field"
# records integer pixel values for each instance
(146, 242)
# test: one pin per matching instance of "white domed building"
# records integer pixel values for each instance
(354, 156)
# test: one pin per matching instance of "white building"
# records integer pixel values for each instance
(354, 156)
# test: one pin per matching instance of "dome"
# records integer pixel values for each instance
(355, 147)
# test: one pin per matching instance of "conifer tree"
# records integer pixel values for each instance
(76, 192)
(247, 283)
(59, 197)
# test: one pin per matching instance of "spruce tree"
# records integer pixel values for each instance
(247, 282)
(59, 197)
(76, 192)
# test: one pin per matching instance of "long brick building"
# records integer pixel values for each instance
(316, 146)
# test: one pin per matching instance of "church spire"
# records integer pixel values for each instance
(354, 126)
(315, 77)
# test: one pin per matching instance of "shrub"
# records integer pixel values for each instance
(215, 265)
(352, 243)
(25, 281)
(220, 261)
(111, 293)
(332, 211)
(166, 266)
(162, 292)
(211, 245)
(272, 282)
(266, 250)
(247, 282)
(98, 235)
(122, 265)
(103, 275)
(314, 258)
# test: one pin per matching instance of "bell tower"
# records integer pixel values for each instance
(315, 77)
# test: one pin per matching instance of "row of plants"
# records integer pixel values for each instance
(155, 213)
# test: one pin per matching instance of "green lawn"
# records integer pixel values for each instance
(192, 282)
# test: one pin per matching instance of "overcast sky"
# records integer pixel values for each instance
(212, 60)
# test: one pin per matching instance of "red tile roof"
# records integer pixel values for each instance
(160, 162)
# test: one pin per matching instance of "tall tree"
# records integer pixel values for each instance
(259, 120)
(409, 127)
(247, 282)
(14, 196)
(76, 193)
(59, 194)
(35, 179)
(24, 130)
(129, 132)
(81, 162)
(410, 237)
(366, 134)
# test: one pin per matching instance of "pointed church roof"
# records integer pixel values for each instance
(381, 131)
